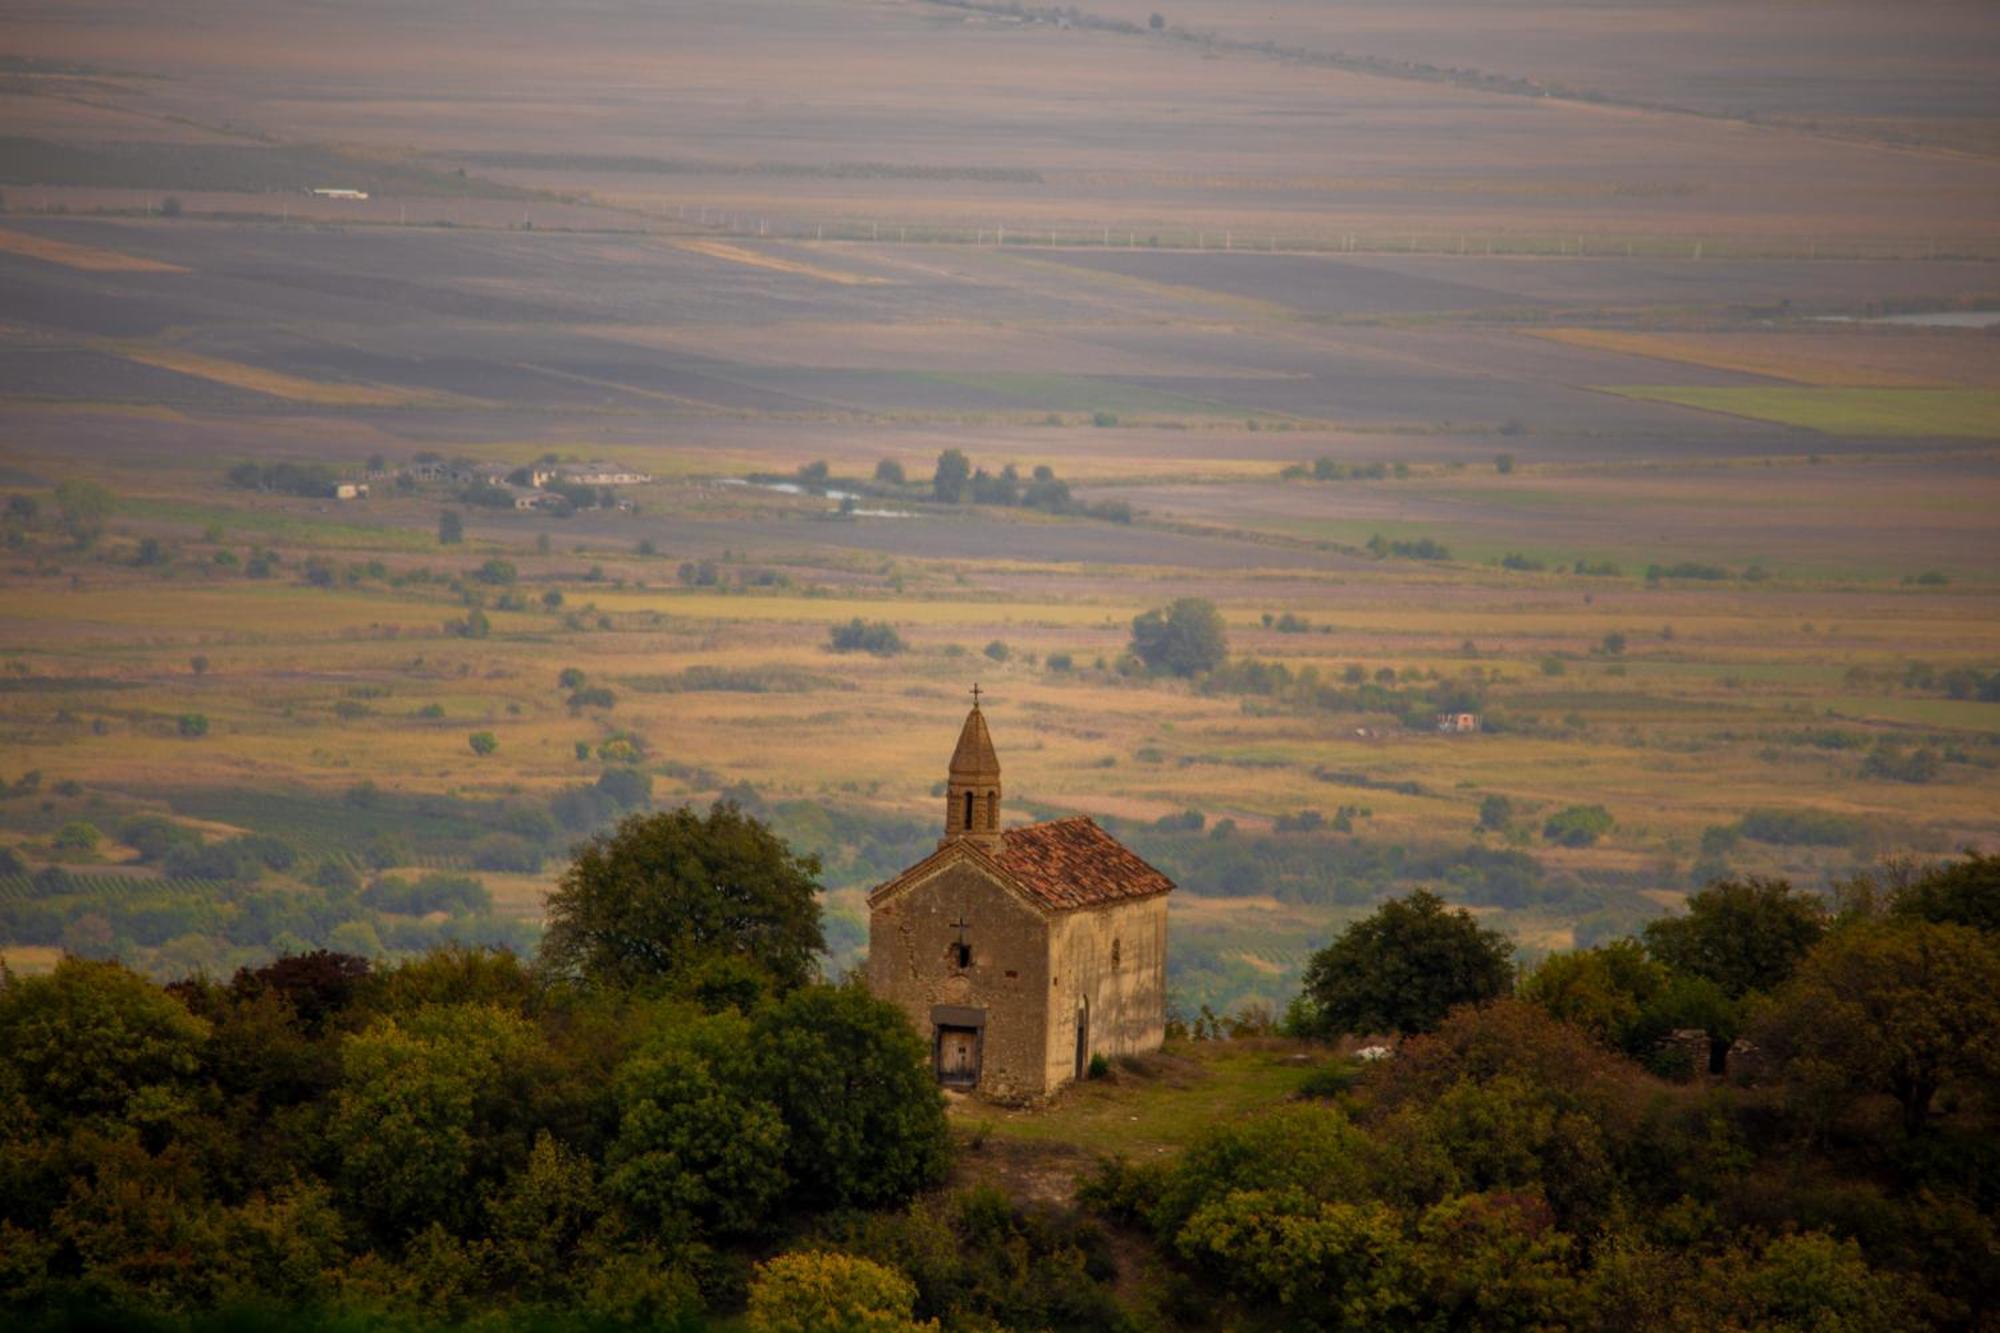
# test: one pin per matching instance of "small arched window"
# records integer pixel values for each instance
(1114, 955)
(993, 809)
(968, 812)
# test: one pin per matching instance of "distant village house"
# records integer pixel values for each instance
(1456, 722)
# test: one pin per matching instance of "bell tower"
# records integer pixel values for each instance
(972, 791)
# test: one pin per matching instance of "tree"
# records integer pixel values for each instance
(1404, 967)
(1503, 463)
(483, 743)
(451, 527)
(818, 1292)
(93, 1039)
(1898, 1008)
(1965, 893)
(170, 207)
(889, 472)
(1744, 935)
(1156, 22)
(1495, 812)
(1577, 825)
(953, 471)
(1604, 990)
(84, 506)
(198, 664)
(663, 893)
(420, 1122)
(696, 1144)
(1186, 638)
(854, 1084)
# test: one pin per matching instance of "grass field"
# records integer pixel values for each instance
(1951, 413)
(291, 388)
(1159, 1104)
(86, 258)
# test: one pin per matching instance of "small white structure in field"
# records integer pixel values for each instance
(1371, 1054)
(600, 474)
(337, 192)
(1457, 722)
(350, 490)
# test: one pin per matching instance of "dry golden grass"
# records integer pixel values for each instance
(30, 959)
(737, 254)
(1833, 360)
(89, 258)
(291, 388)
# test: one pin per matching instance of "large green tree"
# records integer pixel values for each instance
(96, 1040)
(853, 1082)
(1604, 990)
(663, 894)
(431, 1109)
(1744, 935)
(953, 471)
(1404, 967)
(697, 1145)
(1899, 1008)
(1965, 893)
(1185, 638)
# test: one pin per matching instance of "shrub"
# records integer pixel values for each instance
(1802, 828)
(506, 852)
(858, 636)
(153, 836)
(1889, 762)
(816, 1292)
(1578, 825)
(78, 836)
(192, 724)
(483, 743)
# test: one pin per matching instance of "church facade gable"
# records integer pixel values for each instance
(965, 956)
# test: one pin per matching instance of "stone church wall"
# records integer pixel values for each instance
(1110, 965)
(909, 963)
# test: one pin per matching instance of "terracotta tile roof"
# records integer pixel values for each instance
(1069, 863)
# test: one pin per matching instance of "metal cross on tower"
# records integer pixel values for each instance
(975, 694)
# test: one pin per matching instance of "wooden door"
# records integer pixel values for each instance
(958, 1056)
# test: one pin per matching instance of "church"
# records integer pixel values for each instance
(1020, 953)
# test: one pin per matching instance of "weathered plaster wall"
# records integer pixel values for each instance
(1127, 1002)
(909, 964)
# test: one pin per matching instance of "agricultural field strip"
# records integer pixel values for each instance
(1830, 369)
(87, 258)
(1972, 414)
(275, 384)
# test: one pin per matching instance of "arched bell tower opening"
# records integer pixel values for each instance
(972, 788)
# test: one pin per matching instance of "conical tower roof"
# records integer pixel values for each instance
(974, 760)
